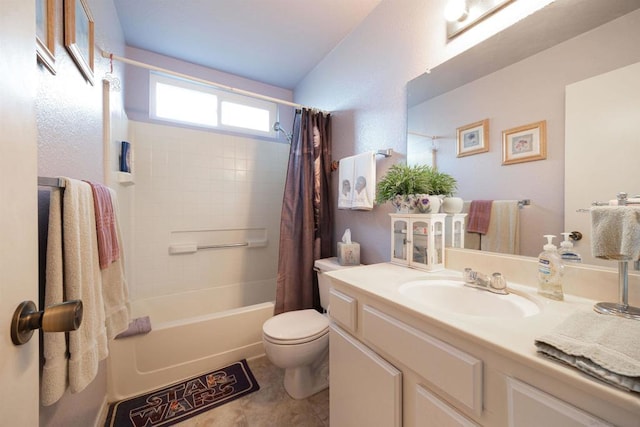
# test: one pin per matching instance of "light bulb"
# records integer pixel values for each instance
(456, 10)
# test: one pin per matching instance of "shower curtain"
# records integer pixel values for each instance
(306, 227)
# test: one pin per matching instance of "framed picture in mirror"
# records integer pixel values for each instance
(473, 138)
(524, 143)
(78, 35)
(45, 33)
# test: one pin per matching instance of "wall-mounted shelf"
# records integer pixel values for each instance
(125, 178)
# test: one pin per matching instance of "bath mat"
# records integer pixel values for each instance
(178, 402)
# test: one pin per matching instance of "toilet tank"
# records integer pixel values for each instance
(324, 283)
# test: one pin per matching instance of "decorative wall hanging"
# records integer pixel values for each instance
(524, 143)
(45, 33)
(78, 35)
(473, 138)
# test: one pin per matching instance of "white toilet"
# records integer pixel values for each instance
(298, 341)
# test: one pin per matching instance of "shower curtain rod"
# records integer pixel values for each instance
(135, 63)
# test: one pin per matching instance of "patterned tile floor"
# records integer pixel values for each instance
(270, 406)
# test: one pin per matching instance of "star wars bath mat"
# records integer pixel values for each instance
(178, 402)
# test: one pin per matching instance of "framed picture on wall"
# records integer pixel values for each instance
(473, 138)
(525, 143)
(45, 33)
(78, 35)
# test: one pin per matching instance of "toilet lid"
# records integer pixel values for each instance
(296, 325)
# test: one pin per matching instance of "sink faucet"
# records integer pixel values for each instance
(495, 283)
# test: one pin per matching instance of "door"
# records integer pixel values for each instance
(18, 208)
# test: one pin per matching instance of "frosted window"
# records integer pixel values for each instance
(244, 116)
(186, 105)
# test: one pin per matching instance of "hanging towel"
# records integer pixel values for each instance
(503, 234)
(345, 175)
(615, 232)
(479, 216)
(603, 346)
(108, 249)
(82, 280)
(54, 370)
(364, 181)
(115, 292)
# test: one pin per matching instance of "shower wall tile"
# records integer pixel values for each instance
(193, 180)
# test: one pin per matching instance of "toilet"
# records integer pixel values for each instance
(298, 341)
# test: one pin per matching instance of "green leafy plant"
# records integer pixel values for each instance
(419, 179)
(442, 183)
(403, 180)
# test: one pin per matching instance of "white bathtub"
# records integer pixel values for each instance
(192, 333)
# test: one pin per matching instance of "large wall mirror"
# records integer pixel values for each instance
(522, 76)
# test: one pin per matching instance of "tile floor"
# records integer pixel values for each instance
(270, 406)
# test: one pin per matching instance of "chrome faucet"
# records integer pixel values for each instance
(495, 283)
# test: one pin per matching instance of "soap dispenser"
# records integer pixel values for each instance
(566, 251)
(550, 270)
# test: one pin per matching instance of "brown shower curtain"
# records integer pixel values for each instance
(306, 224)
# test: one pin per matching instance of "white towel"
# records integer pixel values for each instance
(364, 181)
(82, 280)
(54, 371)
(603, 346)
(345, 175)
(615, 232)
(115, 292)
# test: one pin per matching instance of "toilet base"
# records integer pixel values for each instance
(305, 381)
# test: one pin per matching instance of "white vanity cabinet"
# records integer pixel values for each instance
(418, 240)
(393, 366)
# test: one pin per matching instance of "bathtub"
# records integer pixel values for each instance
(192, 333)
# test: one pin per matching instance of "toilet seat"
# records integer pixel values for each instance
(295, 327)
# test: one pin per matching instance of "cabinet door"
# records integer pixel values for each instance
(433, 412)
(400, 240)
(365, 390)
(530, 407)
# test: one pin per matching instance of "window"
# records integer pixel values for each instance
(192, 103)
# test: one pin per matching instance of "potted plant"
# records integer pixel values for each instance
(445, 186)
(405, 187)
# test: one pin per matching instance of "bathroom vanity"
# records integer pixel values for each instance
(404, 355)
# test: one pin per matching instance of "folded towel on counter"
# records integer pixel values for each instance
(108, 249)
(479, 216)
(615, 232)
(602, 346)
(138, 326)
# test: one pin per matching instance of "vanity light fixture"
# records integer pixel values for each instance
(456, 10)
(463, 14)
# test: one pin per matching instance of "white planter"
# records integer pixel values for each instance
(452, 205)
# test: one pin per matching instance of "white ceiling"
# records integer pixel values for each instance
(272, 41)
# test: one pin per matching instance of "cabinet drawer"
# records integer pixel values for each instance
(529, 406)
(453, 371)
(343, 309)
(433, 412)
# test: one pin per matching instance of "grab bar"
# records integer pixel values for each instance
(226, 245)
(193, 247)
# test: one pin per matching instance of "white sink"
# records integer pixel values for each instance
(454, 296)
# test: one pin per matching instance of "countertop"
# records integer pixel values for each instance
(513, 338)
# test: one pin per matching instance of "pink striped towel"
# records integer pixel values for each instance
(108, 249)
(479, 216)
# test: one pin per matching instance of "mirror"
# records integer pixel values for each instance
(513, 79)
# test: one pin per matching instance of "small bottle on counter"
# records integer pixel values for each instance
(566, 251)
(550, 270)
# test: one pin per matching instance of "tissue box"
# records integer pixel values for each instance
(349, 253)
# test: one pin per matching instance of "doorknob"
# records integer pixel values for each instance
(63, 317)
